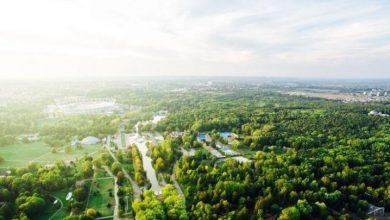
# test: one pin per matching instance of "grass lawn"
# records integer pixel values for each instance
(20, 155)
(246, 152)
(75, 153)
(99, 173)
(99, 201)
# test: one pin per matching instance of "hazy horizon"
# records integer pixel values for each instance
(299, 39)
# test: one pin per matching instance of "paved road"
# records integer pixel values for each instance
(105, 217)
(136, 190)
(116, 209)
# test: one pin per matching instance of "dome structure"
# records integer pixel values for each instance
(90, 140)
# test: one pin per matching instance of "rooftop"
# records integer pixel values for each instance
(90, 140)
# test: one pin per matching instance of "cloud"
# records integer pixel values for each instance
(288, 38)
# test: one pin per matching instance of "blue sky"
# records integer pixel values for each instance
(56, 38)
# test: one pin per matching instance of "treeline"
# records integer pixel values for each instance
(26, 192)
(264, 120)
(164, 154)
(17, 119)
(170, 206)
(322, 183)
(139, 172)
(316, 158)
(63, 129)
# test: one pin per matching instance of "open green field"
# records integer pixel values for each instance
(100, 196)
(20, 155)
(61, 155)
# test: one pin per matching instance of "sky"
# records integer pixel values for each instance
(297, 38)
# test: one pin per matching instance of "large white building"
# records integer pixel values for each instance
(90, 140)
(81, 105)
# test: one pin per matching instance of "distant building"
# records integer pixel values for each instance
(375, 113)
(227, 150)
(216, 153)
(81, 105)
(90, 140)
(228, 136)
(6, 173)
(29, 137)
(242, 159)
(203, 137)
(176, 134)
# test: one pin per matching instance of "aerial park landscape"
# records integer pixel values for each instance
(194, 110)
(155, 157)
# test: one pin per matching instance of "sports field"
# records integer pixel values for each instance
(99, 197)
(20, 155)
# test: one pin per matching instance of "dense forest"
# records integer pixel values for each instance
(314, 158)
(308, 158)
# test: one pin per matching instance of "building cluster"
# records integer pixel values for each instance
(375, 113)
(176, 134)
(28, 137)
(222, 151)
(227, 150)
(376, 93)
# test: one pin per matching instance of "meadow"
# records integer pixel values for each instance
(20, 155)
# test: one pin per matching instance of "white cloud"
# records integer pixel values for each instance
(193, 37)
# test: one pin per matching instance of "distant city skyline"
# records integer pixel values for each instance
(121, 38)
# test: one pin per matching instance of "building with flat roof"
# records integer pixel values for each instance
(90, 140)
(375, 113)
(228, 136)
(203, 137)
